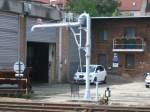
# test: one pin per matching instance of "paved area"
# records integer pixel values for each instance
(124, 91)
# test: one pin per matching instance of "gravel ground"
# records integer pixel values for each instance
(124, 91)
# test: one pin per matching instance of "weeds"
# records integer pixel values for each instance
(18, 95)
(103, 100)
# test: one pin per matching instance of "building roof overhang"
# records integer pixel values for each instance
(120, 17)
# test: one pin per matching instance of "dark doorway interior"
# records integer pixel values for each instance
(37, 58)
(102, 59)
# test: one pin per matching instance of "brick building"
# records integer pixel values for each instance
(128, 37)
(132, 7)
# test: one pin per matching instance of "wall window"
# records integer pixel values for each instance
(129, 61)
(102, 35)
(129, 32)
(102, 60)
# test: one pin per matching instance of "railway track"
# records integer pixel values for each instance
(65, 107)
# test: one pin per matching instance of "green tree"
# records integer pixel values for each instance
(93, 7)
(107, 7)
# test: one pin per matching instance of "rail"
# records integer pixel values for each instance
(66, 107)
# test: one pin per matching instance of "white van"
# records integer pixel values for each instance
(97, 73)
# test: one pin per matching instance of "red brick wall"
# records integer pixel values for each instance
(115, 28)
(65, 50)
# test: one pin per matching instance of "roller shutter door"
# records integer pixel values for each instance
(8, 40)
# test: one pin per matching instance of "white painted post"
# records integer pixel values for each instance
(87, 95)
(97, 98)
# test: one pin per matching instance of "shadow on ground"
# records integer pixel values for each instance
(44, 91)
(119, 80)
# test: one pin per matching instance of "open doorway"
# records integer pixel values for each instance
(37, 58)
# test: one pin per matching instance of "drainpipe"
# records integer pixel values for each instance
(60, 55)
(87, 95)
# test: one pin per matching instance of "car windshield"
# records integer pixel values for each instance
(148, 75)
(91, 69)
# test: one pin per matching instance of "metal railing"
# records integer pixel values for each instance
(124, 44)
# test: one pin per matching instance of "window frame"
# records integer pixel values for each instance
(106, 59)
(132, 64)
(127, 32)
(105, 35)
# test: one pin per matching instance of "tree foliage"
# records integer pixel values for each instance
(93, 7)
(107, 7)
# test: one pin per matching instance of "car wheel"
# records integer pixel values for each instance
(147, 86)
(95, 80)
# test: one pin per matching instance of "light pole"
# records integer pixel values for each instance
(82, 18)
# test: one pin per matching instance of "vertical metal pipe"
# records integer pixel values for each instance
(19, 35)
(79, 49)
(87, 95)
(60, 55)
(113, 43)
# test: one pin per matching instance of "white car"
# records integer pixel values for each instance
(97, 73)
(147, 80)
